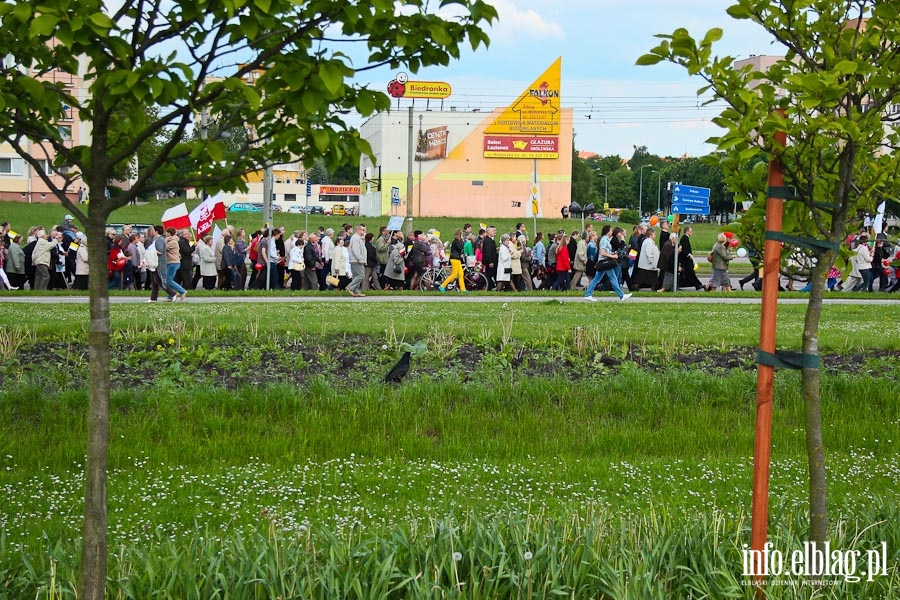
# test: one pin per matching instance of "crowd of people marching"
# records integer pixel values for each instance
(356, 260)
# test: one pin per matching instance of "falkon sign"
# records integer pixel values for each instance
(530, 126)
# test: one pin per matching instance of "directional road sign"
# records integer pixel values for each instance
(682, 209)
(690, 200)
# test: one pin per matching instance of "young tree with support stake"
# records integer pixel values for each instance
(273, 67)
(829, 95)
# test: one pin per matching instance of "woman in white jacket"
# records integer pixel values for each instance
(504, 264)
(864, 264)
(645, 271)
(207, 263)
(81, 262)
(340, 263)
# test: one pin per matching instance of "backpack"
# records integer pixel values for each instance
(151, 258)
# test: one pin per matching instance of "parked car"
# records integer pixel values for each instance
(135, 227)
(350, 211)
(294, 209)
(338, 210)
(316, 210)
(246, 207)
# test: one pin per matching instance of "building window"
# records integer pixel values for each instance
(293, 198)
(65, 133)
(46, 166)
(11, 166)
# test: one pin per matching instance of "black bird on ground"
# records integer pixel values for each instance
(400, 369)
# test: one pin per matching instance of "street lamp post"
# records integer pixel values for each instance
(605, 177)
(641, 192)
(658, 190)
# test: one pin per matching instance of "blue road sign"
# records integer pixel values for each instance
(690, 200)
(395, 196)
(682, 209)
(308, 188)
(690, 190)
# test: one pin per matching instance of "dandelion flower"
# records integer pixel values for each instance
(384, 346)
(529, 556)
(159, 347)
(457, 556)
(171, 341)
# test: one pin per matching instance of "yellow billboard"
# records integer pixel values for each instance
(536, 110)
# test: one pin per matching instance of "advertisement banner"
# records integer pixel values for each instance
(339, 190)
(517, 146)
(536, 110)
(432, 143)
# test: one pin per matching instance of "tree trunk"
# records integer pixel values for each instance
(812, 402)
(92, 584)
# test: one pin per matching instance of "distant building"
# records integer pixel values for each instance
(452, 176)
(19, 181)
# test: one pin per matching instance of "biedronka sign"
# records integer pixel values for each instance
(529, 127)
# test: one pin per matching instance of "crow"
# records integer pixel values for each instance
(399, 371)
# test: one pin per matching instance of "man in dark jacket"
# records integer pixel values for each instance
(228, 266)
(311, 259)
(186, 252)
(489, 255)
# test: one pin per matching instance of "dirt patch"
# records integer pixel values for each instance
(355, 360)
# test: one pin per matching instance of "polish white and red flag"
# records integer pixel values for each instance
(176, 217)
(212, 209)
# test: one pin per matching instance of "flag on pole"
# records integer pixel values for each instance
(878, 225)
(176, 217)
(207, 212)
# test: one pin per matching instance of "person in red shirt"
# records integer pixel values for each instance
(563, 266)
(116, 265)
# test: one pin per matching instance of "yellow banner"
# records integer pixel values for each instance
(536, 110)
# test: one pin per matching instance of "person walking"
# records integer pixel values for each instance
(563, 265)
(173, 265)
(457, 256)
(312, 260)
(720, 259)
(40, 258)
(358, 259)
(645, 269)
(208, 270)
(371, 278)
(605, 267)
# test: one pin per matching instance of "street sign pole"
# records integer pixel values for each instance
(687, 200)
(308, 194)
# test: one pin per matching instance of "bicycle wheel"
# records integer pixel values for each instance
(475, 280)
(429, 280)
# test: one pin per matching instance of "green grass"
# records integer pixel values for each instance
(632, 483)
(600, 326)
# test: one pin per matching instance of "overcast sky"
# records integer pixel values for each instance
(617, 105)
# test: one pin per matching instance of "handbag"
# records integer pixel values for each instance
(508, 270)
(333, 281)
(299, 266)
(606, 263)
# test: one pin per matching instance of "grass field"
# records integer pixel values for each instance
(535, 451)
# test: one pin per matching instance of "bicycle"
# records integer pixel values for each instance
(433, 277)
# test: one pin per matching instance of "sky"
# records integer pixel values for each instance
(617, 105)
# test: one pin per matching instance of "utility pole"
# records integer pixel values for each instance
(409, 176)
(641, 193)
